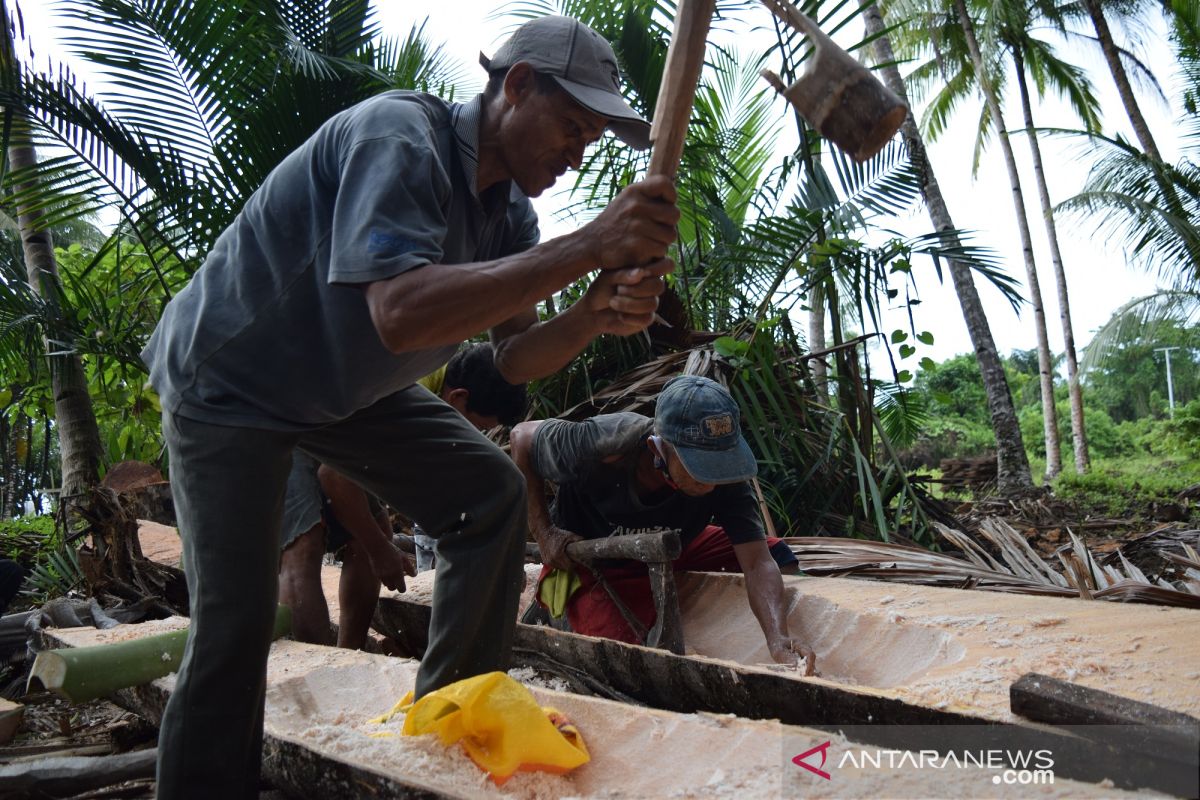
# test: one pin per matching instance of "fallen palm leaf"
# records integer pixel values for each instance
(1017, 570)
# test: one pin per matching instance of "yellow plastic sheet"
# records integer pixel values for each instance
(499, 724)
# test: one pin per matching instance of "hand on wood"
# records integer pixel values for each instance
(390, 565)
(552, 542)
(623, 301)
(637, 227)
(789, 651)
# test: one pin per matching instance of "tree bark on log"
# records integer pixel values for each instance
(69, 776)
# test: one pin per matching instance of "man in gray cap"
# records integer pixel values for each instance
(687, 469)
(399, 229)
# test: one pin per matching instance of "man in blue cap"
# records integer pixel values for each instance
(687, 469)
(400, 228)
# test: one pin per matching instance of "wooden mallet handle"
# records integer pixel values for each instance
(685, 59)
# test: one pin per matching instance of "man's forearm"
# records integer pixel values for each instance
(442, 304)
(764, 587)
(545, 347)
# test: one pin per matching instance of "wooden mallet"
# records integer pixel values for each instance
(837, 95)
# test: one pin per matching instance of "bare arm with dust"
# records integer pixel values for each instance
(552, 540)
(764, 590)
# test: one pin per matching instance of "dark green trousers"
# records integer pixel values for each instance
(410, 449)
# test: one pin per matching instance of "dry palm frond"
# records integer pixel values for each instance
(1018, 569)
(1018, 555)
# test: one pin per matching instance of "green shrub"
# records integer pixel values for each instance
(23, 538)
(1183, 432)
(1128, 486)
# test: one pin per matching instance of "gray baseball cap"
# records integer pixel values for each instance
(582, 62)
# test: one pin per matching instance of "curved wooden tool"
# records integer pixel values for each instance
(647, 547)
(836, 94)
(657, 550)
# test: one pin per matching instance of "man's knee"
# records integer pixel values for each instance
(303, 555)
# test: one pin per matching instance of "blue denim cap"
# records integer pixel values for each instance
(700, 419)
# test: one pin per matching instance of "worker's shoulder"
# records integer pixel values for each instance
(400, 114)
(622, 420)
(602, 436)
(619, 420)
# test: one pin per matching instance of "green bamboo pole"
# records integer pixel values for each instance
(81, 674)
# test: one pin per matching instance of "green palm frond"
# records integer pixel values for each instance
(1126, 196)
(416, 63)
(887, 185)
(1136, 323)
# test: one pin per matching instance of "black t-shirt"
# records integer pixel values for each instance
(598, 498)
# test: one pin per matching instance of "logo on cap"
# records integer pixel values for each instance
(721, 425)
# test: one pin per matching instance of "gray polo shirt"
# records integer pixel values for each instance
(273, 331)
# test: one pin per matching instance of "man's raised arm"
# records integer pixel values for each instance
(446, 303)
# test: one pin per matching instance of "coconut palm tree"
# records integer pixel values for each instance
(1013, 476)
(1115, 57)
(78, 433)
(959, 68)
(1033, 57)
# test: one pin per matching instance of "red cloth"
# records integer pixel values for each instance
(592, 612)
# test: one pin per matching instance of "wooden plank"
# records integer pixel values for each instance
(1146, 728)
(11, 715)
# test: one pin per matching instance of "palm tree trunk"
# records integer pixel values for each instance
(1113, 57)
(1049, 417)
(78, 432)
(1012, 464)
(1078, 432)
(75, 420)
(816, 337)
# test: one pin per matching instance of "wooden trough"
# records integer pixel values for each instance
(895, 661)
(319, 742)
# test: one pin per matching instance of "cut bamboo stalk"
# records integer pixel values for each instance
(86, 673)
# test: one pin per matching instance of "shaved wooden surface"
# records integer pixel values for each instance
(319, 742)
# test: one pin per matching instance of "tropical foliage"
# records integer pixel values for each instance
(190, 103)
